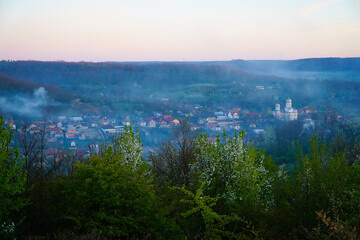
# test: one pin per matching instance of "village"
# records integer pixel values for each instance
(80, 133)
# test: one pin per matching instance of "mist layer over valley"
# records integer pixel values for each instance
(127, 88)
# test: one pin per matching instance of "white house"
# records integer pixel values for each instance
(108, 129)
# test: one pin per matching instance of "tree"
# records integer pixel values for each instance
(319, 182)
(173, 160)
(234, 172)
(214, 225)
(12, 179)
(29, 150)
(114, 193)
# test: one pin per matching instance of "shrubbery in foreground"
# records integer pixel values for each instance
(192, 189)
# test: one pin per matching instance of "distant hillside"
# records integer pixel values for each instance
(11, 85)
(123, 88)
(21, 94)
(150, 74)
(139, 83)
(312, 68)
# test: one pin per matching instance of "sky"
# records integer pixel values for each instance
(178, 30)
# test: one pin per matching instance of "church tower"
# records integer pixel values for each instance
(288, 103)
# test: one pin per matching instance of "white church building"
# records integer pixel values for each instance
(288, 114)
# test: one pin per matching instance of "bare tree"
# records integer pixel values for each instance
(29, 150)
(172, 161)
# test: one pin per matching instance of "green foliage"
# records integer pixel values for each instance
(202, 190)
(12, 180)
(214, 223)
(114, 193)
(318, 183)
(234, 171)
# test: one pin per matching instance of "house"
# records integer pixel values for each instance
(224, 123)
(201, 121)
(108, 129)
(126, 122)
(219, 113)
(222, 118)
(70, 135)
(308, 124)
(176, 122)
(141, 122)
(310, 110)
(258, 131)
(152, 123)
(84, 126)
(104, 122)
(235, 126)
(112, 120)
(82, 137)
(94, 147)
(157, 114)
(71, 131)
(70, 126)
(212, 124)
(164, 124)
(119, 128)
(168, 117)
(259, 87)
(52, 131)
(232, 114)
(77, 119)
(12, 125)
(59, 134)
(194, 128)
(211, 119)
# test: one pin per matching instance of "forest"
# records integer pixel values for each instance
(189, 188)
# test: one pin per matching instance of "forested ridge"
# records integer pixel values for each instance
(123, 87)
(189, 188)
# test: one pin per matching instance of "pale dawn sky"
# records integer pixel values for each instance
(178, 30)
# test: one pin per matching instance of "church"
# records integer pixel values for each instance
(288, 114)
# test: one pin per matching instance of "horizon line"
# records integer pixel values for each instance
(170, 61)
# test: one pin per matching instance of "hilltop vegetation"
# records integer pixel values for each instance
(193, 189)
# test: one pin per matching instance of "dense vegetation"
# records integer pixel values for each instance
(189, 188)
